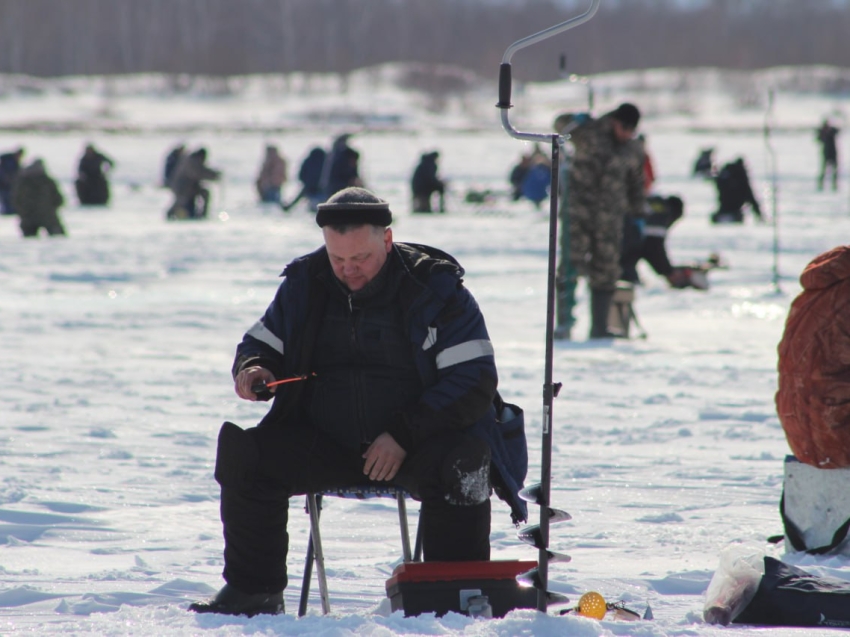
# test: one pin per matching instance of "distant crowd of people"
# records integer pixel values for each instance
(30, 192)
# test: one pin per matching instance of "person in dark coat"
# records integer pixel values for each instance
(36, 198)
(734, 192)
(92, 185)
(342, 167)
(425, 183)
(345, 171)
(191, 197)
(662, 213)
(399, 389)
(829, 153)
(704, 164)
(310, 176)
(171, 162)
(10, 165)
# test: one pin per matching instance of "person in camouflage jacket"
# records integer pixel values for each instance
(36, 199)
(606, 185)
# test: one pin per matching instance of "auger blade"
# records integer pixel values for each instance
(532, 535)
(558, 557)
(558, 515)
(533, 493)
(556, 598)
(530, 578)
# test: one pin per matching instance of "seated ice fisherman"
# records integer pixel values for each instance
(400, 388)
(662, 213)
(733, 193)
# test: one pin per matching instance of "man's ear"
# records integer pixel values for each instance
(388, 239)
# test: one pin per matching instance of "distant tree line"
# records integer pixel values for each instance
(236, 37)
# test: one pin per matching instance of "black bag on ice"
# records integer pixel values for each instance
(788, 596)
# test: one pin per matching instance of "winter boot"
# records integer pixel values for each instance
(600, 306)
(230, 601)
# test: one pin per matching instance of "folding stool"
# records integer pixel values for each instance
(314, 544)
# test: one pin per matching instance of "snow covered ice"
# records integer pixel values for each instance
(116, 344)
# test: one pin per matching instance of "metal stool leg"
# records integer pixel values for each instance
(305, 581)
(417, 551)
(316, 538)
(402, 522)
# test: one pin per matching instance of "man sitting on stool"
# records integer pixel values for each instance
(398, 384)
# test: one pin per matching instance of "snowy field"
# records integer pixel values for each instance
(116, 344)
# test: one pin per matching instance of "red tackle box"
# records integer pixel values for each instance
(441, 587)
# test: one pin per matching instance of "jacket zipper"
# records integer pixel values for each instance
(356, 377)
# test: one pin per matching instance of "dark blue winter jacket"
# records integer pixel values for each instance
(449, 343)
(535, 184)
(310, 173)
(9, 167)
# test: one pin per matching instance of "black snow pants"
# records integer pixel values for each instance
(260, 468)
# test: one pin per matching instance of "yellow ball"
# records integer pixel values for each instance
(593, 605)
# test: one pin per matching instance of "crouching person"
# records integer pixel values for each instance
(394, 381)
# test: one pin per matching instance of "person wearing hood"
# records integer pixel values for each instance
(425, 183)
(37, 199)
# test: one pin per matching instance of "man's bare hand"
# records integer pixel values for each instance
(248, 377)
(383, 458)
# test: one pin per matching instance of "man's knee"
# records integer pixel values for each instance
(237, 457)
(466, 473)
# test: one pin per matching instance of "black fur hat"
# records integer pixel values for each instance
(354, 206)
(627, 114)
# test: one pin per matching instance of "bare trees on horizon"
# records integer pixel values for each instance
(238, 37)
